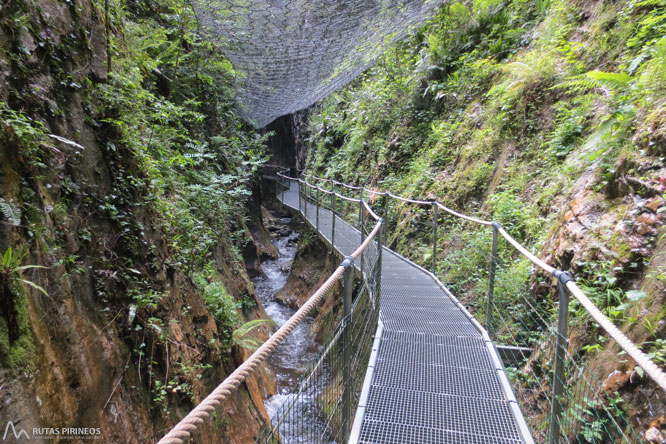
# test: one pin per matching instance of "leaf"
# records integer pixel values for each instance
(639, 370)
(248, 327)
(240, 337)
(6, 258)
(66, 141)
(132, 314)
(635, 295)
(612, 80)
(28, 267)
(35, 286)
(10, 212)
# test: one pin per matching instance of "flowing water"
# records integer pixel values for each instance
(299, 348)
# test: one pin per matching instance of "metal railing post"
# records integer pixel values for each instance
(283, 187)
(334, 197)
(434, 237)
(360, 211)
(317, 203)
(348, 283)
(305, 202)
(491, 280)
(299, 197)
(378, 277)
(386, 205)
(560, 355)
(361, 223)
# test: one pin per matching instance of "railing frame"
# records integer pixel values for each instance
(491, 279)
(434, 237)
(348, 283)
(559, 358)
(348, 263)
(334, 198)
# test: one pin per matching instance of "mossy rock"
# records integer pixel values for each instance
(16, 344)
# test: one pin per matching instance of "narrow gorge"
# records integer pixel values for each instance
(144, 256)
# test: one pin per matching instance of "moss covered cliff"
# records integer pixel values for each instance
(124, 180)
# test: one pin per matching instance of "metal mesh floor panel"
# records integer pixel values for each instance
(414, 317)
(434, 380)
(439, 354)
(435, 328)
(419, 303)
(472, 383)
(454, 341)
(488, 419)
(379, 432)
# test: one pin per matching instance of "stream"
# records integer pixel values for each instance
(299, 348)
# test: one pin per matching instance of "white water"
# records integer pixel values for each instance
(299, 348)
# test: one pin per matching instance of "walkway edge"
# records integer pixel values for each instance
(367, 382)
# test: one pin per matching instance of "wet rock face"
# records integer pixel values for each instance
(592, 228)
(288, 146)
(618, 225)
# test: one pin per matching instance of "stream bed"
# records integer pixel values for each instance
(289, 360)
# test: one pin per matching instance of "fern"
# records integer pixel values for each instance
(10, 212)
(10, 266)
(613, 81)
(610, 80)
(241, 334)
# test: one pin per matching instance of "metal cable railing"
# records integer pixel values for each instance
(321, 391)
(567, 401)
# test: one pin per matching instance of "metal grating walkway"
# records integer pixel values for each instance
(435, 376)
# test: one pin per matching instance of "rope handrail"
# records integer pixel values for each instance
(315, 187)
(641, 359)
(623, 341)
(463, 216)
(183, 431)
(412, 201)
(370, 210)
(333, 181)
(522, 250)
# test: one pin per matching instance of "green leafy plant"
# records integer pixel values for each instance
(15, 333)
(242, 335)
(10, 211)
(11, 269)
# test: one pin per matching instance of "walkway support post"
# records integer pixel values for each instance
(283, 187)
(561, 341)
(305, 202)
(491, 280)
(334, 198)
(361, 223)
(360, 212)
(378, 264)
(300, 190)
(434, 237)
(348, 283)
(318, 203)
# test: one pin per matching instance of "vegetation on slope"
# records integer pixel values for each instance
(547, 117)
(125, 172)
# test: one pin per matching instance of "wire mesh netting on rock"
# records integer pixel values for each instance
(288, 54)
